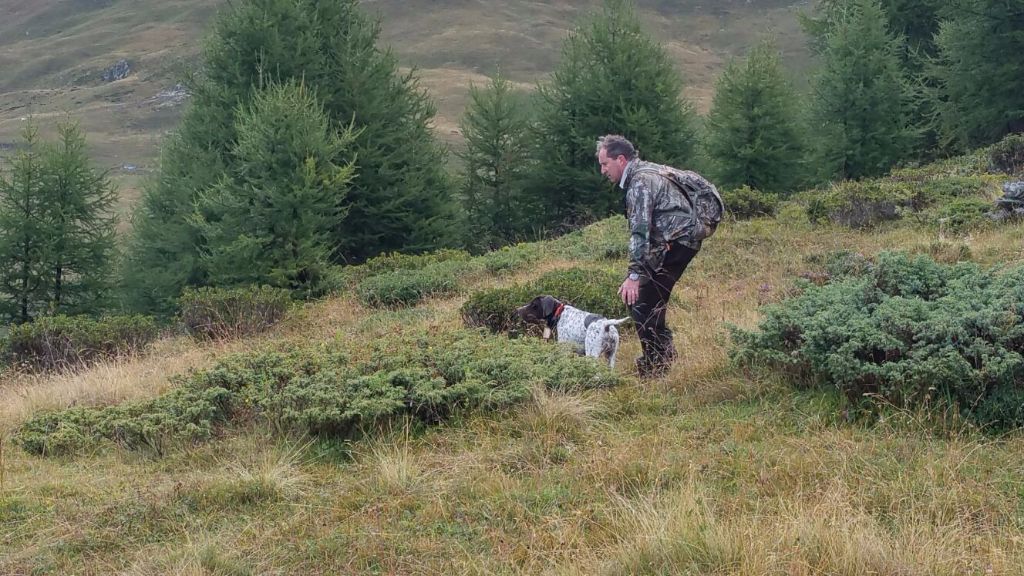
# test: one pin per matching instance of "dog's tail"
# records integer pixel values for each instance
(611, 323)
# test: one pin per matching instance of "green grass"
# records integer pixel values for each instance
(710, 470)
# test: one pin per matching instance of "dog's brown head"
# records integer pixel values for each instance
(539, 310)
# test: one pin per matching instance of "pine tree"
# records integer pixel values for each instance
(613, 78)
(753, 134)
(79, 227)
(269, 220)
(400, 198)
(861, 101)
(253, 42)
(916, 20)
(496, 127)
(979, 72)
(22, 241)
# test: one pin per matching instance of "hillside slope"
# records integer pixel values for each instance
(54, 52)
(714, 469)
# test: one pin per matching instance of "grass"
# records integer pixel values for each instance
(710, 470)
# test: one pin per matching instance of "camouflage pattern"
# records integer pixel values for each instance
(658, 215)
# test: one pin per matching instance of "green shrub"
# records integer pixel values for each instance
(61, 342)
(970, 164)
(916, 190)
(589, 289)
(949, 189)
(858, 204)
(745, 202)
(409, 287)
(350, 276)
(221, 313)
(607, 239)
(510, 258)
(495, 309)
(907, 332)
(841, 263)
(184, 414)
(1007, 155)
(962, 214)
(317, 390)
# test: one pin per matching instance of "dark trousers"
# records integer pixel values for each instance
(651, 308)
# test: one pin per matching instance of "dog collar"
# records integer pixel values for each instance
(553, 319)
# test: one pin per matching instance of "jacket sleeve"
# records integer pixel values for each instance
(640, 212)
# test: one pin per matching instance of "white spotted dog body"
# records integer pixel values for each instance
(591, 334)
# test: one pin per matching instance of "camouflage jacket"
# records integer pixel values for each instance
(658, 215)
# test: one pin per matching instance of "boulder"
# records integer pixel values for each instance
(116, 72)
(1011, 205)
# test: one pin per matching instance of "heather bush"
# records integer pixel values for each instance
(593, 290)
(408, 287)
(906, 332)
(935, 194)
(606, 239)
(962, 214)
(510, 258)
(63, 342)
(396, 261)
(1007, 155)
(318, 390)
(745, 202)
(858, 204)
(221, 313)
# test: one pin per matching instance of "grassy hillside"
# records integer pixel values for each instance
(713, 469)
(53, 53)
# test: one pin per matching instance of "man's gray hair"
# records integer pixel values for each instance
(615, 146)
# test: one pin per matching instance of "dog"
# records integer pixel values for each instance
(591, 334)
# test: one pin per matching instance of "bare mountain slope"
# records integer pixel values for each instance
(53, 54)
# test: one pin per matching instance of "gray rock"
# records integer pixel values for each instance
(1011, 205)
(118, 71)
(1013, 196)
(170, 97)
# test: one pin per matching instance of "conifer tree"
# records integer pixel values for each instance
(753, 134)
(252, 42)
(916, 21)
(57, 229)
(400, 198)
(980, 72)
(22, 242)
(861, 102)
(496, 128)
(613, 78)
(269, 219)
(80, 227)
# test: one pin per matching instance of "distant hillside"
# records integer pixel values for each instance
(53, 54)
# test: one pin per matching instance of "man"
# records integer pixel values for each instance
(662, 242)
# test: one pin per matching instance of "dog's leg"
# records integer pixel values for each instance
(547, 333)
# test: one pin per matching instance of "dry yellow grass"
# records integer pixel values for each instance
(706, 471)
(108, 382)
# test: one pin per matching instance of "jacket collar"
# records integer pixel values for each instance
(627, 174)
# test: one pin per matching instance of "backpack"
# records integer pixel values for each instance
(703, 197)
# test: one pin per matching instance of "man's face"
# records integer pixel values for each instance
(611, 167)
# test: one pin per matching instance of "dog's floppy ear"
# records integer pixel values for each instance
(548, 305)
